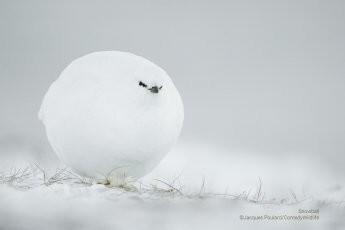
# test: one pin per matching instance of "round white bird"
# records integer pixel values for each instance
(112, 114)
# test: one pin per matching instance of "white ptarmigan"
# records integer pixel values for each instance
(112, 114)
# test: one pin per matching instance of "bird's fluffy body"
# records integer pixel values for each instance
(99, 119)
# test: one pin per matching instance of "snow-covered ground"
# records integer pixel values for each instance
(62, 206)
(195, 186)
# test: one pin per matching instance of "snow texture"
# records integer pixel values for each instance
(179, 194)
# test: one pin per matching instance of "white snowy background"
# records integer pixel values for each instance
(263, 88)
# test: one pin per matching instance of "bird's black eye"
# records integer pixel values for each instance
(142, 84)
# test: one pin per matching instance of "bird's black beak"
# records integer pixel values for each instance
(154, 89)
